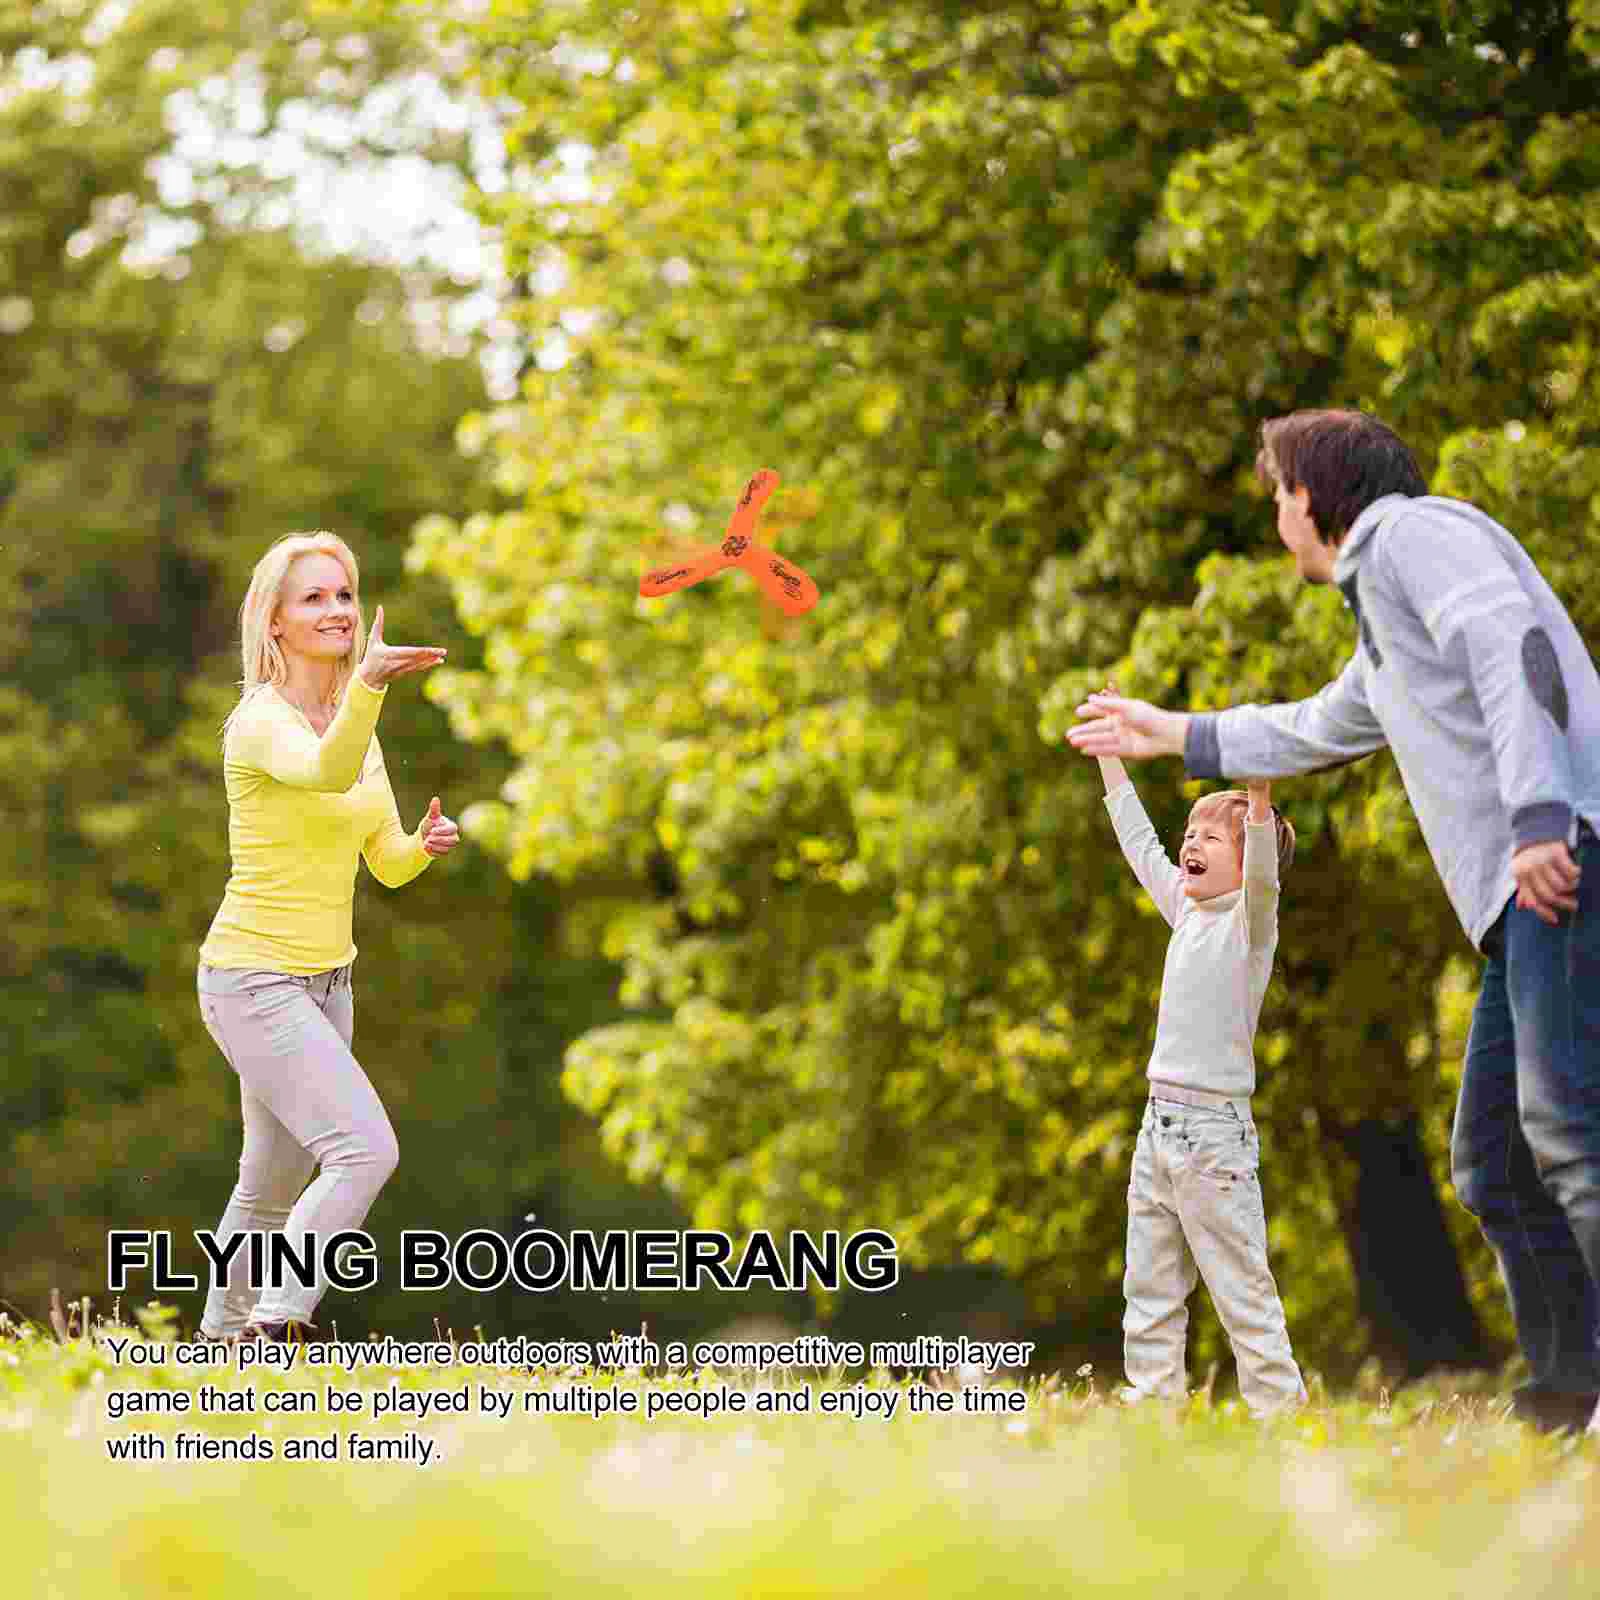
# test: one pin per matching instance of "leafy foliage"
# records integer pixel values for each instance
(185, 378)
(1003, 292)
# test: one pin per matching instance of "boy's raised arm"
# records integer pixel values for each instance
(1112, 773)
(1135, 833)
(1151, 864)
(1260, 865)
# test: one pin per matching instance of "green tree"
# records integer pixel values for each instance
(186, 376)
(1003, 291)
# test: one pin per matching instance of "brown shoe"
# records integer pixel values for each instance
(202, 1337)
(288, 1331)
(1555, 1411)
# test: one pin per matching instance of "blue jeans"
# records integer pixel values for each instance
(1525, 1153)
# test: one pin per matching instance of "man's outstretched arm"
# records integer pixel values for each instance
(1333, 727)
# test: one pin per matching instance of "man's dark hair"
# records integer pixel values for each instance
(1345, 459)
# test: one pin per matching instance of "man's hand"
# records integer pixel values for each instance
(1547, 879)
(1135, 730)
(1112, 772)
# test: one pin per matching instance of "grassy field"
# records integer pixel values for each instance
(1432, 1494)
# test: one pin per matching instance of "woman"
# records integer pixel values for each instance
(307, 795)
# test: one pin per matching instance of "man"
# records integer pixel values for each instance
(1470, 670)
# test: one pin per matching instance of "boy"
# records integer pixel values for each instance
(1470, 669)
(1194, 1200)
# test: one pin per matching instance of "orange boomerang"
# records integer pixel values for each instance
(785, 584)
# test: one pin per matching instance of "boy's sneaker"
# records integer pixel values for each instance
(202, 1337)
(289, 1331)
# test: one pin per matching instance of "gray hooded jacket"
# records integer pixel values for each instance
(1470, 670)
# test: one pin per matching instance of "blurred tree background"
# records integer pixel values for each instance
(827, 923)
(186, 376)
(1004, 291)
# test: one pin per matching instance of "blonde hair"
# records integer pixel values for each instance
(1232, 805)
(261, 654)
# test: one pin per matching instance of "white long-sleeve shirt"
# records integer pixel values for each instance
(1219, 959)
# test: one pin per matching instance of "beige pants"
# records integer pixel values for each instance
(306, 1103)
(1194, 1209)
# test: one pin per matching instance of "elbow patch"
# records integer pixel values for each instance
(1542, 669)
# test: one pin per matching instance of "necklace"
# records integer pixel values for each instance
(323, 713)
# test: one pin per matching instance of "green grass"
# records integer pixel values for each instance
(1435, 1493)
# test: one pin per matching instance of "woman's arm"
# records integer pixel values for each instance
(393, 856)
(270, 738)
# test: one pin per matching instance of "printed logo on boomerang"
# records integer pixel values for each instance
(763, 480)
(790, 582)
(667, 577)
(735, 547)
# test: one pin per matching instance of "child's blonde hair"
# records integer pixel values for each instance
(1231, 805)
(260, 652)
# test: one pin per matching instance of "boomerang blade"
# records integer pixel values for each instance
(789, 587)
(742, 524)
(682, 573)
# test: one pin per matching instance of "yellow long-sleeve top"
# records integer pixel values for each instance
(301, 810)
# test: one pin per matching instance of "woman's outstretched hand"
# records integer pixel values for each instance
(439, 834)
(384, 661)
